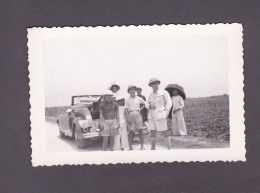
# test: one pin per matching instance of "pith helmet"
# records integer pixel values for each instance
(152, 80)
(114, 84)
(130, 86)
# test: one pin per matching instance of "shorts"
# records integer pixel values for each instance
(158, 125)
(136, 121)
(109, 128)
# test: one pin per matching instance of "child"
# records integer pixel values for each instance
(121, 140)
(178, 124)
(134, 116)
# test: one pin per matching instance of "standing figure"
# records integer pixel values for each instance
(143, 110)
(114, 88)
(134, 116)
(121, 140)
(160, 105)
(178, 124)
(109, 119)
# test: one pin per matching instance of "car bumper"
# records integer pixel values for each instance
(91, 135)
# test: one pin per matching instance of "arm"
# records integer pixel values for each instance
(168, 101)
(181, 103)
(117, 115)
(101, 115)
(144, 103)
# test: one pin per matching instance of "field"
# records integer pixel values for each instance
(204, 116)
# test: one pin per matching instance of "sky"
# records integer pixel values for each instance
(78, 66)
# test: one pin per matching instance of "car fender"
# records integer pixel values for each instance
(63, 122)
(77, 126)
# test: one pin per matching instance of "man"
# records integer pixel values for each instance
(133, 114)
(160, 105)
(143, 110)
(121, 140)
(109, 119)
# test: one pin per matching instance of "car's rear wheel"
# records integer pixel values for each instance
(80, 142)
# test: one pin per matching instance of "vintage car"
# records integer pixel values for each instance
(81, 120)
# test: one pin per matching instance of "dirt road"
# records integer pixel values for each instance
(57, 144)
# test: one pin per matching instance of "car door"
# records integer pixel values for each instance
(64, 123)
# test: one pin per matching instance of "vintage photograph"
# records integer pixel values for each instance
(136, 94)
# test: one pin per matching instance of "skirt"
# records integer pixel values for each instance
(178, 126)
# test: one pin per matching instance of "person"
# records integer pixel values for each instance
(160, 105)
(114, 87)
(178, 124)
(109, 119)
(143, 110)
(121, 140)
(134, 116)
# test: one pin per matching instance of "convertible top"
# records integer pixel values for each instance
(87, 98)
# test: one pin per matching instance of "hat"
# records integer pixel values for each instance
(153, 80)
(119, 98)
(172, 87)
(108, 92)
(138, 88)
(114, 84)
(130, 86)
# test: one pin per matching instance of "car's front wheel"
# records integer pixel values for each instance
(80, 142)
(61, 133)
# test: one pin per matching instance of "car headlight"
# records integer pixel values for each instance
(83, 123)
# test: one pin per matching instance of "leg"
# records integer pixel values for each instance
(141, 137)
(112, 142)
(131, 134)
(167, 139)
(105, 141)
(146, 125)
(117, 145)
(153, 139)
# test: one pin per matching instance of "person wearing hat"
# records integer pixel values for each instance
(178, 124)
(160, 105)
(133, 103)
(121, 140)
(109, 119)
(114, 88)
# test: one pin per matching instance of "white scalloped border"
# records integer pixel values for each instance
(236, 152)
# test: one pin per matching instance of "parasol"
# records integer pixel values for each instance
(171, 87)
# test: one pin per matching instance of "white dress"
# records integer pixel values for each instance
(121, 140)
(178, 124)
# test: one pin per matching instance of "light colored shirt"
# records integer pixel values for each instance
(177, 102)
(133, 104)
(161, 99)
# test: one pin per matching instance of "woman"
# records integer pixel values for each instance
(178, 124)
